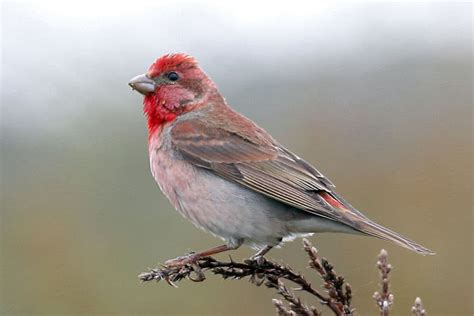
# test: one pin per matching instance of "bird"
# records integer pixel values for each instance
(230, 177)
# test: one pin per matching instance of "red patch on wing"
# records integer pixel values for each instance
(332, 201)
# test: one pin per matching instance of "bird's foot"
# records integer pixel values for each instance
(183, 260)
(259, 259)
(193, 257)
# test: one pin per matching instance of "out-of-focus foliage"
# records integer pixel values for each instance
(377, 96)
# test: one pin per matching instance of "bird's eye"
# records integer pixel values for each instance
(172, 76)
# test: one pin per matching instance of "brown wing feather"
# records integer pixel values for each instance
(253, 159)
(209, 145)
(266, 168)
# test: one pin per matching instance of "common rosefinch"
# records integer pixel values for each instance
(230, 177)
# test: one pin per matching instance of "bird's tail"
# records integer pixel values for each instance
(376, 230)
(359, 222)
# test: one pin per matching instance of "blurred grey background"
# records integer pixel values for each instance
(377, 96)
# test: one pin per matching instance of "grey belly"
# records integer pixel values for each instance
(229, 210)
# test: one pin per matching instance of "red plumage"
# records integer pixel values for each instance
(228, 175)
(170, 62)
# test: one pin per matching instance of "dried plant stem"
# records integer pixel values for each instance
(340, 293)
(297, 307)
(337, 295)
(384, 298)
(417, 308)
(281, 309)
(269, 273)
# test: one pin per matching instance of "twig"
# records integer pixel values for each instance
(337, 297)
(384, 298)
(297, 307)
(268, 273)
(281, 309)
(417, 308)
(340, 293)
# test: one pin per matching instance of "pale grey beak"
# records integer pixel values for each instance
(143, 84)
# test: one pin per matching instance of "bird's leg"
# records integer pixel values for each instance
(259, 255)
(193, 257)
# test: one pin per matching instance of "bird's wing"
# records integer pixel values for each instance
(236, 149)
(260, 164)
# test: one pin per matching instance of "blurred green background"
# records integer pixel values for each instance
(377, 96)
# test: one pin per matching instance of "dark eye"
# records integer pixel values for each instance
(172, 76)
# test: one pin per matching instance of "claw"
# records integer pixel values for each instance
(167, 279)
(260, 260)
(200, 276)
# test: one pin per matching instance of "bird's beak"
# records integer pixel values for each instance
(143, 84)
